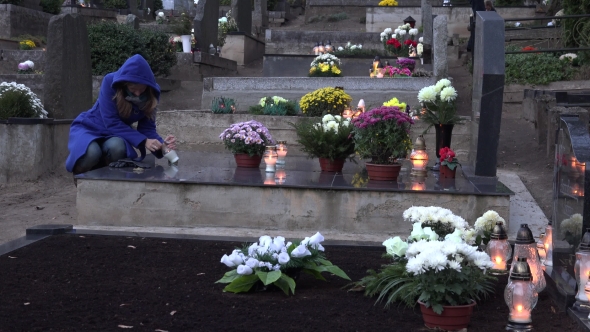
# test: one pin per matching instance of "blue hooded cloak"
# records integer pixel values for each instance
(102, 121)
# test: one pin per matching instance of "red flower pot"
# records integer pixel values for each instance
(446, 172)
(328, 165)
(244, 160)
(380, 172)
(453, 318)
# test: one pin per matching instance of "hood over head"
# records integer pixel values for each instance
(136, 70)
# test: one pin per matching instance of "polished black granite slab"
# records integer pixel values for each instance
(298, 172)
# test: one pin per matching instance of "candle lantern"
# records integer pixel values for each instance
(361, 105)
(411, 21)
(419, 182)
(316, 49)
(270, 158)
(281, 152)
(280, 176)
(582, 269)
(321, 48)
(525, 246)
(498, 248)
(520, 296)
(541, 249)
(419, 157)
(347, 113)
(328, 48)
(548, 245)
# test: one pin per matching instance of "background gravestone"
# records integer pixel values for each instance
(488, 90)
(205, 23)
(133, 21)
(241, 11)
(260, 17)
(427, 28)
(68, 70)
(440, 40)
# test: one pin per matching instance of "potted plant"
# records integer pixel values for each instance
(382, 134)
(439, 110)
(274, 105)
(324, 101)
(247, 140)
(271, 261)
(437, 266)
(183, 28)
(325, 65)
(18, 101)
(484, 226)
(398, 42)
(328, 140)
(448, 163)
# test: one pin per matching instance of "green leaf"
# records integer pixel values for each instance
(438, 308)
(285, 283)
(439, 288)
(228, 277)
(315, 273)
(337, 271)
(268, 278)
(242, 284)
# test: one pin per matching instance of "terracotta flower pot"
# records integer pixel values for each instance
(244, 160)
(379, 172)
(328, 165)
(452, 318)
(446, 172)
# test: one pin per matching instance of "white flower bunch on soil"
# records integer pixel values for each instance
(569, 56)
(33, 99)
(571, 229)
(434, 256)
(430, 215)
(270, 261)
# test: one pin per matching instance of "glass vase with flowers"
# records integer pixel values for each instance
(383, 135)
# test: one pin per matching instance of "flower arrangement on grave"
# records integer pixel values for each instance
(160, 18)
(448, 158)
(325, 65)
(405, 63)
(223, 105)
(274, 105)
(388, 3)
(529, 48)
(438, 102)
(570, 57)
(176, 43)
(330, 138)
(26, 44)
(224, 25)
(397, 42)
(484, 226)
(571, 229)
(272, 261)
(26, 67)
(382, 134)
(351, 50)
(324, 101)
(394, 102)
(183, 25)
(248, 137)
(420, 46)
(17, 100)
(437, 265)
(395, 72)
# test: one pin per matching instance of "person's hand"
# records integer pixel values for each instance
(153, 144)
(170, 141)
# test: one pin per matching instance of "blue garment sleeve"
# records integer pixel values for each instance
(110, 115)
(147, 127)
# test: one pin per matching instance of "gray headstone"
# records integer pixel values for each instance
(68, 70)
(439, 47)
(488, 90)
(260, 17)
(241, 11)
(205, 24)
(426, 22)
(133, 21)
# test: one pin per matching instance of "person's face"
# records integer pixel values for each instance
(488, 7)
(136, 89)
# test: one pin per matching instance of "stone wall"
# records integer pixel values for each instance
(354, 8)
(302, 42)
(16, 21)
(92, 15)
(31, 150)
(11, 59)
(242, 48)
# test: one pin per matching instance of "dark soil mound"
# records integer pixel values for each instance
(108, 283)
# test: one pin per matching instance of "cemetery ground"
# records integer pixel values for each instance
(75, 282)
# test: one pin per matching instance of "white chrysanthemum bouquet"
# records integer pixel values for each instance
(571, 229)
(438, 102)
(437, 265)
(485, 224)
(274, 261)
(17, 100)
